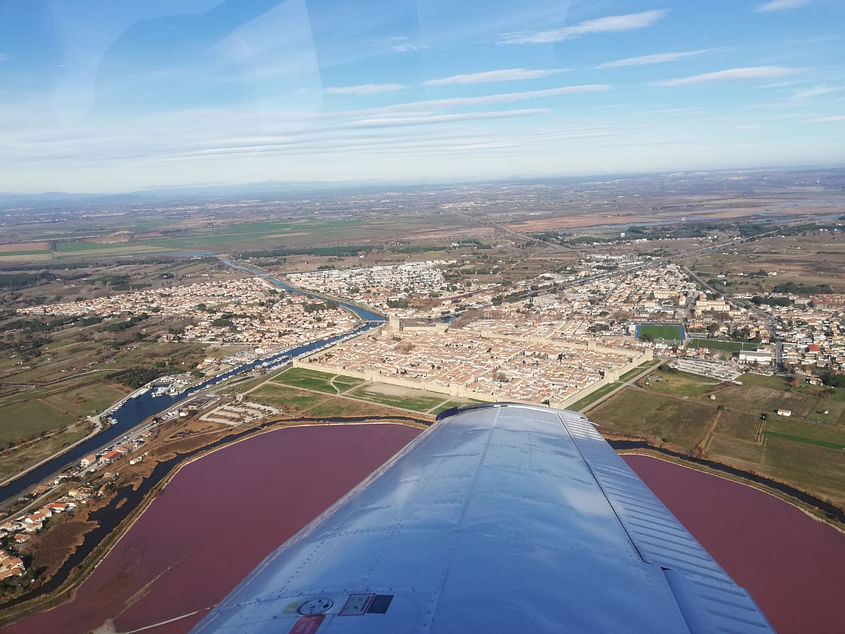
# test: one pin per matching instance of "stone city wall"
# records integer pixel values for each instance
(462, 391)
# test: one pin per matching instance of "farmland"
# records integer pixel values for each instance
(655, 417)
(803, 450)
(811, 259)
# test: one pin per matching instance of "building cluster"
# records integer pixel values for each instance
(463, 362)
(812, 334)
(18, 530)
(10, 565)
(175, 300)
(247, 311)
(94, 462)
(601, 299)
(599, 307)
(389, 288)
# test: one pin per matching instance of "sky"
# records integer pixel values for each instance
(125, 96)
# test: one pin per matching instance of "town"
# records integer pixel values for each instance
(243, 311)
(574, 329)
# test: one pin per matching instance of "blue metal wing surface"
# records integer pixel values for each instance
(499, 518)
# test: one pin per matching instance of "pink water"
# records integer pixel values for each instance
(223, 514)
(216, 520)
(792, 565)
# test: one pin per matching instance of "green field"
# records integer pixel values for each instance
(630, 374)
(806, 450)
(330, 407)
(819, 470)
(343, 383)
(291, 400)
(36, 252)
(406, 398)
(821, 435)
(66, 249)
(655, 417)
(582, 404)
(717, 344)
(266, 235)
(668, 381)
(773, 382)
(294, 402)
(86, 400)
(28, 419)
(318, 381)
(808, 441)
(451, 404)
(667, 333)
(16, 460)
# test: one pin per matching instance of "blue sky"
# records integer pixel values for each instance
(120, 96)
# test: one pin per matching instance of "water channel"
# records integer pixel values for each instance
(135, 411)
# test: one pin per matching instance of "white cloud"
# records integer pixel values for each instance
(506, 97)
(731, 74)
(444, 118)
(780, 5)
(506, 74)
(657, 58)
(407, 48)
(608, 24)
(364, 89)
(815, 91)
(404, 44)
(778, 84)
(830, 119)
(747, 127)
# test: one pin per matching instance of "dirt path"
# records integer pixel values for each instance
(702, 445)
(440, 404)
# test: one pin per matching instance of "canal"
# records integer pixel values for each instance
(135, 411)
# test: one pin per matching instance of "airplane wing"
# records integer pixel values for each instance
(498, 518)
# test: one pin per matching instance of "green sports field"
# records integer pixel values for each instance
(658, 331)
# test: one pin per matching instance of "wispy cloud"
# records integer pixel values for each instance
(830, 119)
(364, 89)
(407, 48)
(506, 74)
(780, 5)
(608, 24)
(815, 91)
(731, 74)
(778, 84)
(507, 97)
(4, 57)
(444, 118)
(747, 127)
(657, 58)
(404, 44)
